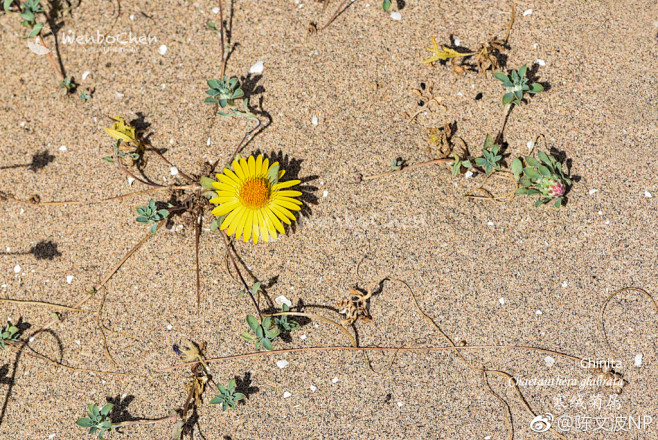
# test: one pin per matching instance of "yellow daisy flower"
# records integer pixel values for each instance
(252, 200)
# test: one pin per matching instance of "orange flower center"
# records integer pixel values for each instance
(255, 193)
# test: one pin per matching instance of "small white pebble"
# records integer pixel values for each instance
(173, 171)
(17, 269)
(593, 191)
(468, 174)
(538, 312)
(51, 436)
(162, 49)
(208, 142)
(490, 223)
(458, 42)
(549, 361)
(600, 212)
(31, 339)
(395, 15)
(286, 394)
(85, 74)
(215, 10)
(314, 120)
(647, 194)
(132, 16)
(530, 145)
(325, 193)
(400, 404)
(527, 12)
(487, 437)
(164, 86)
(282, 363)
(257, 68)
(334, 380)
(302, 337)
(564, 284)
(169, 326)
(502, 301)
(313, 388)
(281, 300)
(62, 148)
(638, 360)
(131, 180)
(78, 342)
(540, 62)
(118, 95)
(69, 279)
(535, 46)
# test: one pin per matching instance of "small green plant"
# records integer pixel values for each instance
(254, 287)
(285, 325)
(224, 91)
(386, 5)
(516, 85)
(151, 215)
(97, 420)
(397, 164)
(489, 161)
(264, 333)
(68, 84)
(227, 397)
(8, 334)
(29, 12)
(543, 177)
(85, 96)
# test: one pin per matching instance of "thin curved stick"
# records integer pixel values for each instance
(488, 195)
(68, 367)
(40, 303)
(605, 304)
(93, 202)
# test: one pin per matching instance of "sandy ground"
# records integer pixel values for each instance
(507, 274)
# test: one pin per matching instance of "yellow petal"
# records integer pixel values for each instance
(275, 221)
(266, 166)
(239, 171)
(228, 179)
(231, 220)
(244, 167)
(225, 208)
(287, 184)
(287, 204)
(238, 222)
(259, 164)
(283, 214)
(248, 225)
(288, 193)
(252, 166)
(224, 186)
(232, 175)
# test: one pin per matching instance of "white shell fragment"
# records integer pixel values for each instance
(281, 300)
(257, 68)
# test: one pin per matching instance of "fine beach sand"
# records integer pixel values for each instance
(487, 273)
